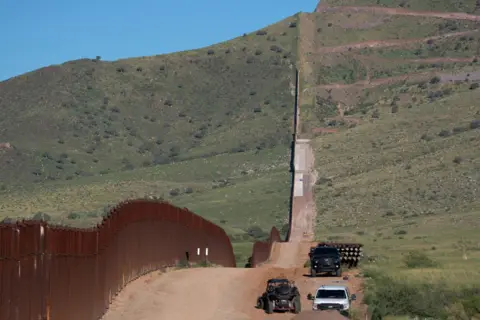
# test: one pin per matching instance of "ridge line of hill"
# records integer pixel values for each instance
(322, 8)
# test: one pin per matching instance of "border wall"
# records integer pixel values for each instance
(56, 273)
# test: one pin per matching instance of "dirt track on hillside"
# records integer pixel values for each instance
(400, 11)
(388, 43)
(420, 76)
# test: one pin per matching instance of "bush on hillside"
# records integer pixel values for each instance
(257, 233)
(418, 259)
(475, 124)
(40, 216)
(387, 296)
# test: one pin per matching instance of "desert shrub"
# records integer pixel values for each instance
(475, 124)
(435, 80)
(388, 296)
(204, 264)
(444, 133)
(174, 192)
(40, 216)
(241, 237)
(418, 259)
(181, 264)
(146, 163)
(257, 233)
(284, 230)
(275, 48)
(457, 130)
(426, 137)
(457, 160)
(73, 216)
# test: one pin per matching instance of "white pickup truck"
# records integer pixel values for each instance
(332, 297)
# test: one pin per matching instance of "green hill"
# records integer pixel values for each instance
(89, 117)
(389, 97)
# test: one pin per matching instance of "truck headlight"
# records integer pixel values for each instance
(345, 306)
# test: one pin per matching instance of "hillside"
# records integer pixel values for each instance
(209, 129)
(89, 117)
(389, 97)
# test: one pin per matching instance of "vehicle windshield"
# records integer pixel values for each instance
(278, 283)
(331, 294)
(325, 251)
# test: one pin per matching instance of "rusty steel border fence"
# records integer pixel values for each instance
(262, 249)
(62, 273)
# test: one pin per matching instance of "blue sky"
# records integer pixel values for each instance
(38, 33)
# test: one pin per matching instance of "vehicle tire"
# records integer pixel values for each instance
(269, 307)
(260, 303)
(313, 273)
(297, 305)
(338, 273)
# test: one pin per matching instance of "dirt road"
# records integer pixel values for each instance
(220, 293)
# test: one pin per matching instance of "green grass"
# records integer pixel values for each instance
(222, 188)
(341, 68)
(408, 181)
(463, 46)
(387, 69)
(426, 5)
(341, 28)
(400, 175)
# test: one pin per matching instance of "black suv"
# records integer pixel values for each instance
(325, 259)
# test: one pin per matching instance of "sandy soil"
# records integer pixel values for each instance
(222, 293)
